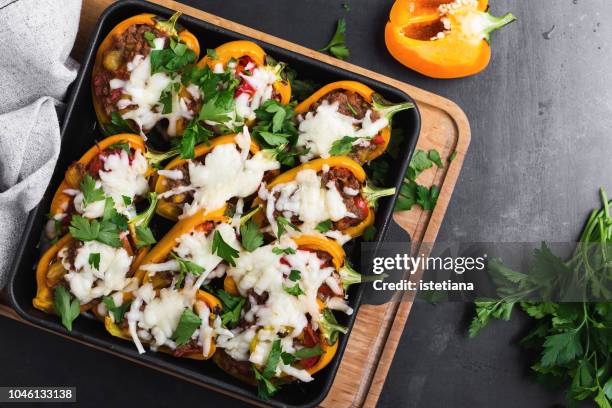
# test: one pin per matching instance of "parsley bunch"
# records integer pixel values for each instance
(574, 339)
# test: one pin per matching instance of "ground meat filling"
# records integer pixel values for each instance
(356, 205)
(123, 50)
(349, 103)
(354, 105)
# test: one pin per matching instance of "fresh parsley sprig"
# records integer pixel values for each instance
(337, 45)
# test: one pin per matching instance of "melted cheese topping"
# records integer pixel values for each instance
(263, 272)
(118, 177)
(319, 130)
(305, 198)
(262, 81)
(227, 172)
(145, 90)
(87, 282)
(196, 246)
(157, 321)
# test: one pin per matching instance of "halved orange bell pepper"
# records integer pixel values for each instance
(72, 178)
(211, 301)
(235, 50)
(159, 254)
(383, 138)
(170, 207)
(316, 243)
(442, 39)
(47, 278)
(167, 26)
(370, 194)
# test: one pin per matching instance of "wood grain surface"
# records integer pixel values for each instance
(375, 336)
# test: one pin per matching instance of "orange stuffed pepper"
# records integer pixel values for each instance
(136, 78)
(346, 118)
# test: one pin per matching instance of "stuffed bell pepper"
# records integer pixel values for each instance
(345, 118)
(117, 169)
(329, 196)
(169, 311)
(228, 169)
(96, 260)
(281, 296)
(256, 78)
(136, 79)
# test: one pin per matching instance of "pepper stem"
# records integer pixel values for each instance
(143, 219)
(372, 193)
(245, 218)
(169, 25)
(389, 109)
(350, 276)
(495, 23)
(154, 157)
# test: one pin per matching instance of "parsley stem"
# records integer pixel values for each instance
(250, 214)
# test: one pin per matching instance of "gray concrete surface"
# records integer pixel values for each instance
(540, 117)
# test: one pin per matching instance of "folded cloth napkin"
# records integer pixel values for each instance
(36, 37)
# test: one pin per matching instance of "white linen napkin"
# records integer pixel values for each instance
(36, 37)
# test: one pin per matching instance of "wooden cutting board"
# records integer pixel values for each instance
(377, 330)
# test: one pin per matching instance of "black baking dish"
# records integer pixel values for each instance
(79, 131)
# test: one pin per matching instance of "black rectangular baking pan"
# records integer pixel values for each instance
(79, 132)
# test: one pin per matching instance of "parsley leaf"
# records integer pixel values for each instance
(419, 163)
(273, 359)
(561, 348)
(111, 215)
(265, 387)
(66, 309)
(217, 109)
(118, 125)
(369, 233)
(186, 266)
(294, 290)
(173, 59)
(84, 230)
(232, 306)
(337, 45)
(434, 156)
(117, 311)
(194, 134)
(91, 194)
(275, 124)
(212, 54)
(150, 37)
(166, 99)
(94, 260)
(283, 251)
(343, 146)
(187, 325)
(427, 197)
(144, 236)
(308, 352)
(126, 200)
(122, 145)
(294, 275)
(251, 236)
(452, 156)
(324, 226)
(223, 249)
(282, 224)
